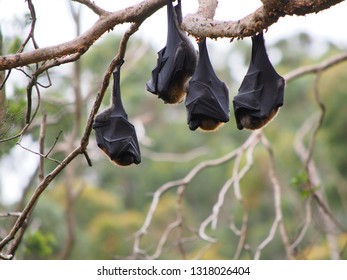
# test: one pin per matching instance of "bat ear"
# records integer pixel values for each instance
(115, 135)
(261, 92)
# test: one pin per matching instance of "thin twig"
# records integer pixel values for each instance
(42, 145)
(242, 234)
(320, 67)
(54, 143)
(10, 214)
(38, 153)
(278, 222)
(308, 220)
(313, 138)
(95, 8)
(175, 224)
(28, 123)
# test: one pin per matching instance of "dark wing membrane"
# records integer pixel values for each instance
(202, 100)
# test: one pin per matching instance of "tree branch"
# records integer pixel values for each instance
(137, 13)
(312, 69)
(95, 8)
(201, 26)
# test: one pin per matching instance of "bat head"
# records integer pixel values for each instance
(204, 111)
(249, 122)
(204, 123)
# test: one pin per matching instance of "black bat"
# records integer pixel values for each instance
(261, 92)
(115, 135)
(176, 61)
(207, 100)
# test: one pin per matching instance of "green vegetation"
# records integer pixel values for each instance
(110, 203)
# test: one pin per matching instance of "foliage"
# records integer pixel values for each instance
(110, 203)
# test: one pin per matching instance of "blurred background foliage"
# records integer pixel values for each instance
(110, 202)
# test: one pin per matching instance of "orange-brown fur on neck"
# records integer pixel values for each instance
(252, 123)
(177, 90)
(209, 124)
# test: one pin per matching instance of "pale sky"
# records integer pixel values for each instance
(54, 20)
(54, 26)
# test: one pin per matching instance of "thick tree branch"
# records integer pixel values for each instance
(207, 8)
(137, 13)
(201, 26)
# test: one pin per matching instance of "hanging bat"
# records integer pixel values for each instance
(176, 61)
(207, 100)
(261, 92)
(115, 135)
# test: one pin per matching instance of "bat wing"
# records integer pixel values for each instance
(176, 61)
(249, 94)
(115, 135)
(152, 83)
(170, 64)
(207, 96)
(262, 90)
